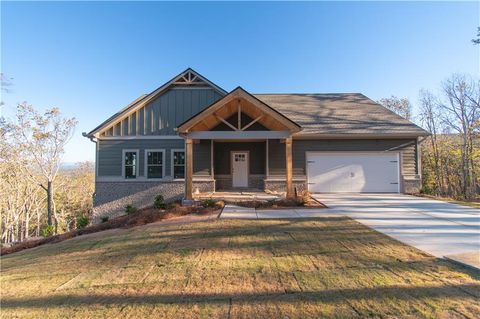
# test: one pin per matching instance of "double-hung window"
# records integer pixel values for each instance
(130, 164)
(154, 163)
(178, 164)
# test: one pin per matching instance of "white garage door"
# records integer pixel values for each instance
(353, 172)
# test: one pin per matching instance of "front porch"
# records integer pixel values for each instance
(235, 144)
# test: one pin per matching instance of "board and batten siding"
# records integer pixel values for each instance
(407, 147)
(110, 155)
(163, 114)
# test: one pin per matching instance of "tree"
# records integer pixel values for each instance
(430, 117)
(400, 106)
(477, 40)
(43, 138)
(461, 112)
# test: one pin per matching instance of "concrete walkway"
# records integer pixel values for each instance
(238, 212)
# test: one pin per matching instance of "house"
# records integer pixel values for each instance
(191, 136)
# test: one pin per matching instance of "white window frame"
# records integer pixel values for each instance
(137, 164)
(172, 165)
(145, 169)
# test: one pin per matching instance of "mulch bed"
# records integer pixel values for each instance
(140, 217)
(306, 202)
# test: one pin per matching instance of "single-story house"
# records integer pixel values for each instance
(190, 135)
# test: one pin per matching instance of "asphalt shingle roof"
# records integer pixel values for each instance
(340, 114)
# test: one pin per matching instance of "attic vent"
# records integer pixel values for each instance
(189, 78)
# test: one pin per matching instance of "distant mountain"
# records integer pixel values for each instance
(67, 166)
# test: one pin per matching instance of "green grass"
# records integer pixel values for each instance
(328, 267)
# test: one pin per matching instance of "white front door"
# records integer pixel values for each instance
(240, 169)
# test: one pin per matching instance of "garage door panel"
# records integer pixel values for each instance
(352, 172)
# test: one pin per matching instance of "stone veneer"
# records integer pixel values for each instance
(280, 184)
(411, 184)
(111, 197)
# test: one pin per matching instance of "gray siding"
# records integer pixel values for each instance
(222, 156)
(300, 147)
(162, 115)
(110, 154)
(201, 158)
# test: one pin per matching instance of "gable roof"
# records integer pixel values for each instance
(187, 77)
(238, 93)
(341, 114)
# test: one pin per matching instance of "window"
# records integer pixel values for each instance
(239, 157)
(154, 163)
(130, 163)
(178, 160)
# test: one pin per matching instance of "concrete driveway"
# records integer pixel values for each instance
(439, 228)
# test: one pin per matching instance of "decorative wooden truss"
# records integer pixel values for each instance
(237, 102)
(189, 78)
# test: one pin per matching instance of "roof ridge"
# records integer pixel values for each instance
(328, 93)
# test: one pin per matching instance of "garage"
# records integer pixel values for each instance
(353, 172)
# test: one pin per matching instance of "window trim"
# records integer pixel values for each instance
(137, 164)
(145, 168)
(172, 164)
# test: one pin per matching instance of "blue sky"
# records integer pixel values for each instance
(91, 59)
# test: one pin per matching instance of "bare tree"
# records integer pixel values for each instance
(429, 114)
(43, 138)
(401, 106)
(461, 112)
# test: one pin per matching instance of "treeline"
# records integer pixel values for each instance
(37, 197)
(451, 154)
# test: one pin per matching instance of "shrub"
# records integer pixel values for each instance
(82, 222)
(208, 203)
(47, 231)
(104, 219)
(130, 209)
(159, 202)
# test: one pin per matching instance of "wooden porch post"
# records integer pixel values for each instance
(288, 160)
(189, 167)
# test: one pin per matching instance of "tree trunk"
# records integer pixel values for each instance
(49, 202)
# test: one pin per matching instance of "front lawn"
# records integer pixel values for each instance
(331, 267)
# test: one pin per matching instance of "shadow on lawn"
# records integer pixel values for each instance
(277, 238)
(412, 294)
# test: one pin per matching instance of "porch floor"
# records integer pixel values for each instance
(238, 195)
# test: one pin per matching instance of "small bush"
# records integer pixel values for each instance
(47, 231)
(130, 209)
(82, 222)
(208, 203)
(159, 202)
(104, 219)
